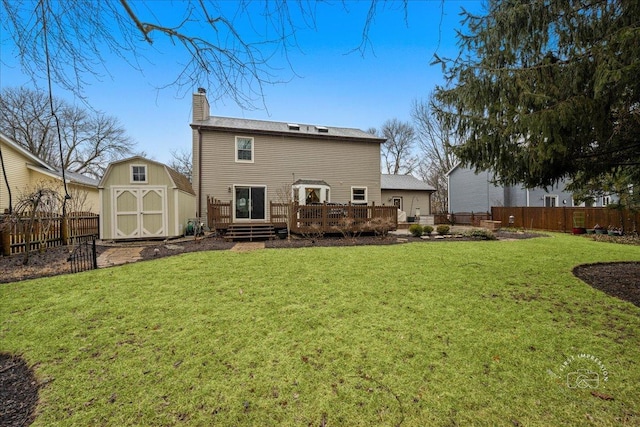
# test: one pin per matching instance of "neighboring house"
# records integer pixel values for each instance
(411, 195)
(25, 172)
(250, 162)
(142, 198)
(475, 192)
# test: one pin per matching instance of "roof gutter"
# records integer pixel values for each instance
(288, 134)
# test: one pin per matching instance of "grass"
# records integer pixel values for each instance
(455, 333)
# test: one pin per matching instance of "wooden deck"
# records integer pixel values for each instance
(314, 219)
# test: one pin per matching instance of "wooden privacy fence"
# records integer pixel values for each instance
(46, 232)
(562, 219)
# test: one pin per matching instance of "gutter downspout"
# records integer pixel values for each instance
(199, 172)
(449, 193)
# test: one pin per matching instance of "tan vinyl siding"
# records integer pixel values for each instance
(186, 209)
(280, 160)
(410, 200)
(23, 180)
(18, 175)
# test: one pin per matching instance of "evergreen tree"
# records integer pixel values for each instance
(545, 90)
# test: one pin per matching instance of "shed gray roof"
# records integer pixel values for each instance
(78, 178)
(403, 182)
(282, 128)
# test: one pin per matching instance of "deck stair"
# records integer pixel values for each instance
(250, 232)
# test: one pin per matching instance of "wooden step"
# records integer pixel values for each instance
(250, 232)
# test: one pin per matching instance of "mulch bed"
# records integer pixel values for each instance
(18, 391)
(19, 388)
(618, 279)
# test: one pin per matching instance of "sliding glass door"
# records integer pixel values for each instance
(249, 203)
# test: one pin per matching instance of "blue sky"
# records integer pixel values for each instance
(331, 86)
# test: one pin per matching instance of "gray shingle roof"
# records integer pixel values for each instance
(78, 178)
(403, 182)
(280, 128)
(181, 181)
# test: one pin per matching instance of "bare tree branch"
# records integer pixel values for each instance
(90, 139)
(182, 162)
(397, 151)
(225, 46)
(435, 141)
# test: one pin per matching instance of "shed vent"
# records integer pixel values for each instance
(293, 126)
(322, 129)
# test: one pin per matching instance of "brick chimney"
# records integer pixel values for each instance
(200, 105)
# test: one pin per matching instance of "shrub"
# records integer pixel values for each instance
(427, 229)
(443, 229)
(480, 233)
(415, 230)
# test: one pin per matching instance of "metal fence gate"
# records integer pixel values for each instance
(83, 257)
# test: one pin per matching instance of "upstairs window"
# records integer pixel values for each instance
(139, 173)
(244, 149)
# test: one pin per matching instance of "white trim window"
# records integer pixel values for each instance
(244, 149)
(359, 195)
(550, 201)
(308, 193)
(138, 174)
(606, 200)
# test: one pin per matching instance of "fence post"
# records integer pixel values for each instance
(93, 254)
(64, 228)
(5, 242)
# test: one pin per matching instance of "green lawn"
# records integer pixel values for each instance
(447, 333)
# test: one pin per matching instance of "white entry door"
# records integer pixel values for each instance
(139, 212)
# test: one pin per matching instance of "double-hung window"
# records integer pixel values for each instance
(244, 149)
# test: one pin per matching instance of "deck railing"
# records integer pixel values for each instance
(331, 218)
(218, 214)
(320, 218)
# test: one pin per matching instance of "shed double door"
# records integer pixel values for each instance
(139, 212)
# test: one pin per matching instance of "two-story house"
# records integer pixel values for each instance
(476, 192)
(248, 163)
